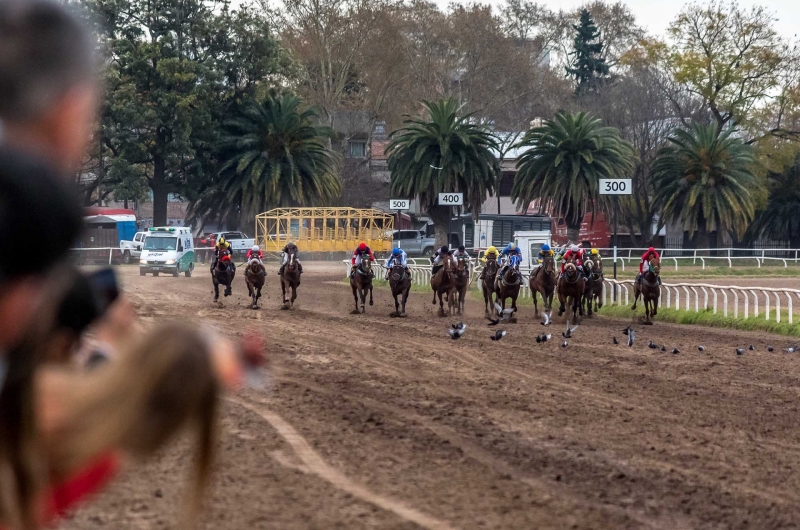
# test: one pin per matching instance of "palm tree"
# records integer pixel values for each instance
(563, 165)
(703, 181)
(273, 154)
(443, 153)
(780, 220)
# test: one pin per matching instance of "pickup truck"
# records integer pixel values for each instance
(240, 243)
(132, 249)
(414, 242)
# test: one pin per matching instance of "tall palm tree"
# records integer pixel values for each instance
(273, 154)
(443, 153)
(703, 181)
(565, 159)
(780, 220)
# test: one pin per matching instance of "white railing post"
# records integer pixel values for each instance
(715, 300)
(735, 303)
(705, 298)
(777, 308)
(686, 292)
(766, 304)
(724, 301)
(696, 300)
(755, 300)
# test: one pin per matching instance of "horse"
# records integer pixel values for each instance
(222, 274)
(649, 289)
(543, 281)
(361, 282)
(508, 283)
(588, 287)
(595, 293)
(570, 288)
(444, 283)
(255, 276)
(400, 283)
(290, 279)
(462, 283)
(488, 284)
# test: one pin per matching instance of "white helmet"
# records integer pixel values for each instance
(512, 246)
(574, 248)
(255, 248)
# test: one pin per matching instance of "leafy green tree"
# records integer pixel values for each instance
(588, 67)
(563, 164)
(443, 153)
(780, 220)
(704, 182)
(272, 155)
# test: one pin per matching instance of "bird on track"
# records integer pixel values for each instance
(701, 348)
(675, 351)
(631, 336)
(751, 348)
(739, 351)
(663, 348)
(499, 334)
(493, 322)
(564, 344)
(460, 325)
(770, 348)
(457, 332)
(791, 349)
(626, 330)
(652, 345)
(614, 340)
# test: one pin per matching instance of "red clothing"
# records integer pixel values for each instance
(357, 252)
(91, 479)
(259, 254)
(646, 259)
(569, 255)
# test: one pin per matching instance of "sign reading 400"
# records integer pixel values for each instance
(451, 199)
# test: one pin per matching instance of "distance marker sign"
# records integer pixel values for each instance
(615, 187)
(451, 199)
(399, 204)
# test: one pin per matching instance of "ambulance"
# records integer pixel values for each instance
(167, 249)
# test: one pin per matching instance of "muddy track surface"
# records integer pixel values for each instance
(378, 422)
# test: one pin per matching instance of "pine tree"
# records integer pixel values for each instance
(589, 67)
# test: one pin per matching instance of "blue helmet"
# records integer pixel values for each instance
(397, 252)
(545, 248)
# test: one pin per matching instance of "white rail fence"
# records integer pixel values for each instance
(725, 256)
(740, 302)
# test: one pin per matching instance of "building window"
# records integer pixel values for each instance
(358, 149)
(380, 128)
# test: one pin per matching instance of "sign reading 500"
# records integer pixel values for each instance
(451, 199)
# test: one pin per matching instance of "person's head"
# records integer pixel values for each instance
(48, 81)
(651, 250)
(545, 248)
(444, 250)
(255, 248)
(461, 248)
(397, 252)
(512, 246)
(575, 248)
(291, 244)
(221, 240)
(362, 247)
(595, 252)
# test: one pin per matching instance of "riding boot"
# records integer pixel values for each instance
(659, 279)
(300, 268)
(280, 271)
(639, 278)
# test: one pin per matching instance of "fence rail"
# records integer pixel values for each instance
(729, 256)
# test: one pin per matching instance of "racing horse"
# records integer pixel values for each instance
(595, 293)
(221, 273)
(488, 284)
(444, 283)
(543, 281)
(462, 283)
(255, 275)
(400, 283)
(290, 279)
(570, 289)
(508, 283)
(588, 287)
(361, 282)
(649, 289)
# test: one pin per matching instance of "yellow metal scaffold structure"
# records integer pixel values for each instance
(324, 229)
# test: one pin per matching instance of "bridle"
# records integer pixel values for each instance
(570, 269)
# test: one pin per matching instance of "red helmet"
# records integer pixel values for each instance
(651, 249)
(362, 246)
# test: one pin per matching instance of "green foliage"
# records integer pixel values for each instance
(704, 181)
(780, 220)
(272, 155)
(588, 66)
(564, 162)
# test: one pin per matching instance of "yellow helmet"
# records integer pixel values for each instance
(221, 240)
(491, 250)
(594, 252)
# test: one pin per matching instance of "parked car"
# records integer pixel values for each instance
(132, 249)
(239, 241)
(414, 242)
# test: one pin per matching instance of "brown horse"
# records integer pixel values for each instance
(290, 279)
(543, 281)
(255, 276)
(488, 284)
(361, 282)
(400, 283)
(594, 294)
(588, 287)
(508, 284)
(570, 289)
(221, 273)
(649, 289)
(444, 283)
(462, 283)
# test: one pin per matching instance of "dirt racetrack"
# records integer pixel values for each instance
(376, 422)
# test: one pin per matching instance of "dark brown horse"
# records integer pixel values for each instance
(594, 292)
(543, 281)
(588, 287)
(255, 276)
(221, 273)
(649, 289)
(400, 283)
(290, 279)
(462, 282)
(508, 284)
(570, 289)
(444, 283)
(361, 282)
(488, 285)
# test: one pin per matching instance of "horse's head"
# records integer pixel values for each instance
(291, 263)
(397, 272)
(588, 265)
(256, 267)
(491, 267)
(655, 265)
(570, 270)
(461, 262)
(549, 264)
(366, 264)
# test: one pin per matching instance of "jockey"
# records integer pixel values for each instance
(254, 254)
(461, 252)
(491, 253)
(650, 253)
(290, 247)
(576, 254)
(594, 255)
(544, 252)
(398, 256)
(361, 250)
(510, 250)
(223, 245)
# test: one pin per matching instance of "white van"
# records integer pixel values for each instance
(167, 249)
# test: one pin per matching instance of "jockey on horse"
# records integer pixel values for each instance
(221, 246)
(651, 253)
(362, 252)
(399, 257)
(510, 250)
(254, 254)
(441, 254)
(491, 253)
(290, 247)
(544, 252)
(575, 255)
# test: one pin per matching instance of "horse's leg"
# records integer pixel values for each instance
(405, 299)
(216, 290)
(514, 301)
(561, 300)
(654, 311)
(636, 292)
(370, 294)
(355, 294)
(535, 303)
